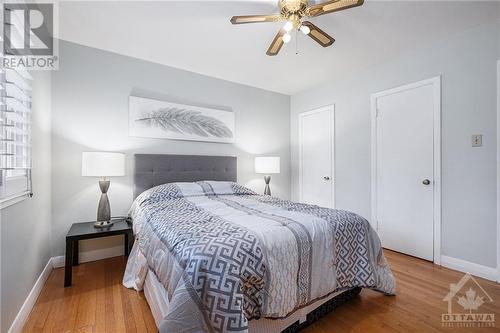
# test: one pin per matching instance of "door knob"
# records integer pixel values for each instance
(326, 178)
(426, 182)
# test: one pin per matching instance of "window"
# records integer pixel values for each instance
(15, 130)
(15, 134)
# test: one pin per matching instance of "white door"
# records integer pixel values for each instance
(404, 168)
(316, 145)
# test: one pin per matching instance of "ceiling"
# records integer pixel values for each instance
(197, 36)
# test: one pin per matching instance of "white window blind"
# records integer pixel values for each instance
(15, 133)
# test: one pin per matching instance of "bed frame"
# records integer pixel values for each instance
(154, 169)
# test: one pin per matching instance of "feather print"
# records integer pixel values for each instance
(185, 121)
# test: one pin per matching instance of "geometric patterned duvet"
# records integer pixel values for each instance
(226, 255)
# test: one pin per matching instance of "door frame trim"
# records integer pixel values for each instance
(330, 108)
(435, 82)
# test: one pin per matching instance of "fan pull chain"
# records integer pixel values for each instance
(296, 43)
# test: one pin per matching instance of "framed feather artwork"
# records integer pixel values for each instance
(150, 118)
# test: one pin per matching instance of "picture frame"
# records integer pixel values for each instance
(151, 118)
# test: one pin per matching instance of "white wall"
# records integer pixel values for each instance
(25, 226)
(467, 63)
(90, 112)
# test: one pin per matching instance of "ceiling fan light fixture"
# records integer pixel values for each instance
(294, 14)
(287, 38)
(305, 29)
(288, 26)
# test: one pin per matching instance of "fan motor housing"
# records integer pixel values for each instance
(293, 7)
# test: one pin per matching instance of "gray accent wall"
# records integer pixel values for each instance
(467, 63)
(90, 113)
(25, 246)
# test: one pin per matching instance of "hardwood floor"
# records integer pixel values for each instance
(97, 302)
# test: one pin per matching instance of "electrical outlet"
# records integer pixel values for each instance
(477, 140)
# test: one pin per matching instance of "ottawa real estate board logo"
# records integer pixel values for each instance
(28, 36)
(466, 300)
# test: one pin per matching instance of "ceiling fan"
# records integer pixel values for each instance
(293, 12)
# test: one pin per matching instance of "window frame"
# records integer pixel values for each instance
(15, 135)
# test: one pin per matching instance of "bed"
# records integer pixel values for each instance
(213, 256)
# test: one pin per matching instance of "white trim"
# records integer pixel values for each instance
(29, 303)
(13, 199)
(437, 169)
(373, 169)
(94, 255)
(58, 261)
(333, 179)
(489, 273)
(436, 83)
(498, 171)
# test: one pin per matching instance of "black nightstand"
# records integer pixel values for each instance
(86, 230)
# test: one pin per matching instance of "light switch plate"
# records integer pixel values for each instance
(477, 140)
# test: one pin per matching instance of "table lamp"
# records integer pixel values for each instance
(267, 165)
(104, 165)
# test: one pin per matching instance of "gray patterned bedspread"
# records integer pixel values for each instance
(226, 255)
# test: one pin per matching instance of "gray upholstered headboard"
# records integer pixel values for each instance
(152, 169)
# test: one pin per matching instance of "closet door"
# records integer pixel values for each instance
(316, 147)
(404, 168)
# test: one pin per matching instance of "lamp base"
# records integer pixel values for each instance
(267, 190)
(103, 224)
(103, 209)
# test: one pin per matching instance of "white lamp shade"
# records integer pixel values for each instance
(101, 164)
(267, 165)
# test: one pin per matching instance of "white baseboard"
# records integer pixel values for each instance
(94, 255)
(56, 262)
(485, 272)
(29, 303)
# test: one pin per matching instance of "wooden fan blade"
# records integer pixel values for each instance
(332, 6)
(255, 19)
(319, 35)
(277, 43)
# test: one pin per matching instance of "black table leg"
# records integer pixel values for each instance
(75, 253)
(68, 267)
(129, 242)
(126, 248)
